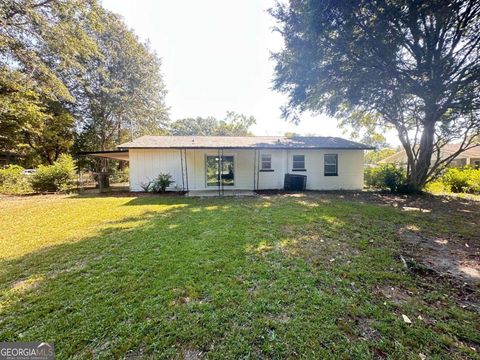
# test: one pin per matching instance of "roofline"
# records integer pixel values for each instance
(248, 147)
(101, 152)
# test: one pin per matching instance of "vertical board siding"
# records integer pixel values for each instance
(146, 164)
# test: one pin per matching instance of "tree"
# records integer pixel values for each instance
(38, 129)
(411, 65)
(233, 125)
(40, 37)
(121, 93)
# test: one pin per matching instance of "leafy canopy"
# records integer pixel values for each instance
(405, 64)
(232, 125)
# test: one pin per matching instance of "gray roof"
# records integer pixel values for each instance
(242, 142)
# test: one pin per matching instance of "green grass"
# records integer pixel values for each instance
(267, 277)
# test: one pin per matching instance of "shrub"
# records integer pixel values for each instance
(120, 176)
(13, 182)
(385, 177)
(462, 180)
(438, 187)
(57, 177)
(161, 183)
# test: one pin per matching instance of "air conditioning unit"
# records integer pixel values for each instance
(294, 182)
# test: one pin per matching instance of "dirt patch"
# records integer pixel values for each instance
(394, 294)
(444, 256)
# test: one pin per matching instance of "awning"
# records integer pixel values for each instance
(108, 154)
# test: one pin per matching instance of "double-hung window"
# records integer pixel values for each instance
(298, 163)
(266, 162)
(330, 165)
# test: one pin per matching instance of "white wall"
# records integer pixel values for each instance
(146, 164)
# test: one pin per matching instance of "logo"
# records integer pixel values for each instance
(26, 351)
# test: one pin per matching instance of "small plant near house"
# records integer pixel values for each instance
(386, 177)
(161, 182)
(146, 186)
(57, 177)
(13, 181)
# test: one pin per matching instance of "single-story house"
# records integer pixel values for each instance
(220, 163)
(468, 157)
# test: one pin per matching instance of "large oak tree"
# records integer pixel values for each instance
(405, 64)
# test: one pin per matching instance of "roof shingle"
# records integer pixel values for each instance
(242, 142)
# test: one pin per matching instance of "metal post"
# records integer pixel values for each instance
(258, 170)
(181, 166)
(218, 171)
(254, 168)
(186, 167)
(221, 167)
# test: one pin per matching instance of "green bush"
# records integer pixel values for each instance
(385, 177)
(466, 180)
(438, 187)
(57, 177)
(161, 183)
(120, 176)
(13, 182)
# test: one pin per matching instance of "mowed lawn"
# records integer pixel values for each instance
(267, 277)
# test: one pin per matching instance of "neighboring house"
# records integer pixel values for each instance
(243, 163)
(469, 157)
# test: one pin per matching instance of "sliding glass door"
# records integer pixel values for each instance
(220, 170)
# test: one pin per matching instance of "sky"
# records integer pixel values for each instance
(216, 58)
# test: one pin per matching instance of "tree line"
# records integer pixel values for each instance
(74, 77)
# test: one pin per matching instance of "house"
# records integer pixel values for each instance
(222, 163)
(468, 157)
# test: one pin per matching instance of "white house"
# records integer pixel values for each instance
(222, 163)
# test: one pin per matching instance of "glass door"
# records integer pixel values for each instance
(220, 170)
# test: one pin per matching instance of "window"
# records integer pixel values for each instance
(476, 164)
(298, 163)
(330, 165)
(267, 162)
(220, 171)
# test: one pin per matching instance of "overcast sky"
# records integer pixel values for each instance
(215, 57)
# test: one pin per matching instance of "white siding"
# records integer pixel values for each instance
(146, 164)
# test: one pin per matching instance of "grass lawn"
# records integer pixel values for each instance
(313, 276)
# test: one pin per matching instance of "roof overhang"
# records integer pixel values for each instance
(247, 148)
(109, 154)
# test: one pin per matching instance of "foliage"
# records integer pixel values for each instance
(120, 176)
(146, 186)
(57, 177)
(161, 182)
(122, 93)
(437, 187)
(387, 176)
(195, 276)
(40, 38)
(374, 156)
(466, 180)
(70, 70)
(13, 182)
(413, 66)
(232, 125)
(30, 125)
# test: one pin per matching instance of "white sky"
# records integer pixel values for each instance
(215, 57)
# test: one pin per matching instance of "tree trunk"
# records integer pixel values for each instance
(418, 176)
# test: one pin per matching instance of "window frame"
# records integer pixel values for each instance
(297, 161)
(262, 161)
(207, 155)
(325, 173)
